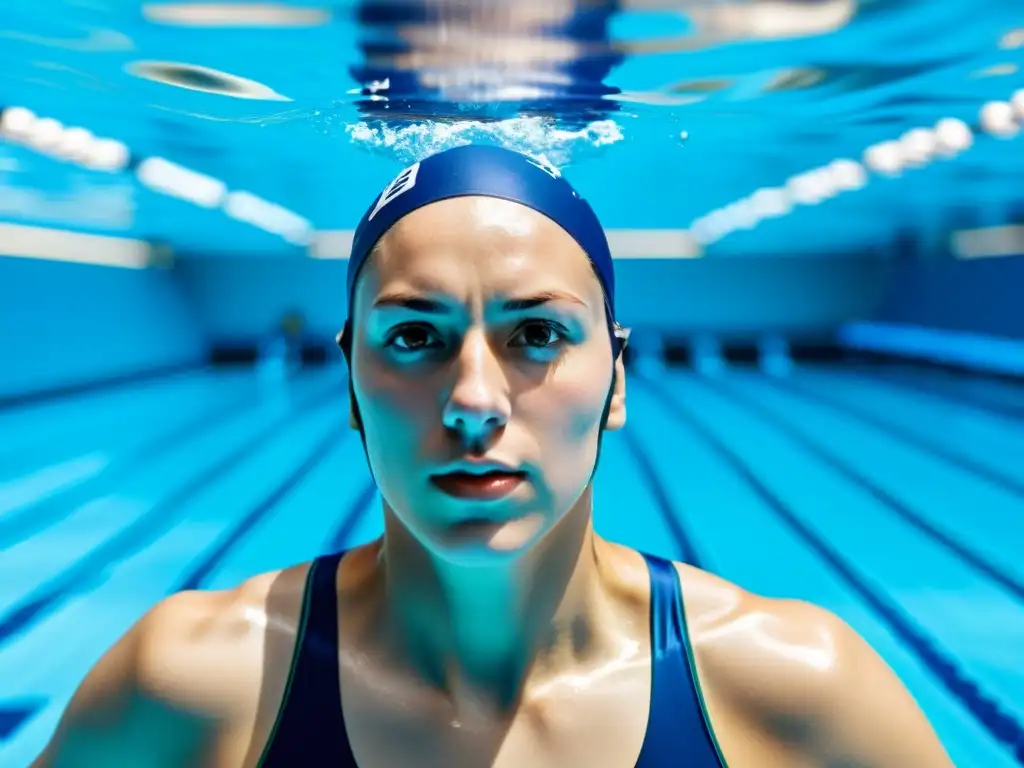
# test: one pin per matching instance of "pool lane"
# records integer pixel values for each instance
(983, 443)
(75, 472)
(661, 487)
(982, 516)
(978, 621)
(230, 508)
(38, 571)
(766, 538)
(999, 397)
(71, 422)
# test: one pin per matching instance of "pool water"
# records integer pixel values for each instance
(891, 497)
(251, 134)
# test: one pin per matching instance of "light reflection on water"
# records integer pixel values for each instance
(762, 100)
(409, 77)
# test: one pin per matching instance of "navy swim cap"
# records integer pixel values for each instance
(491, 172)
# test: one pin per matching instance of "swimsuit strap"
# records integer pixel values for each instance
(310, 728)
(678, 729)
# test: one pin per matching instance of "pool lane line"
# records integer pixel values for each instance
(974, 559)
(673, 518)
(357, 509)
(117, 381)
(937, 390)
(902, 435)
(1002, 726)
(214, 556)
(35, 517)
(130, 540)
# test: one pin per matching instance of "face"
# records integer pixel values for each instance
(481, 367)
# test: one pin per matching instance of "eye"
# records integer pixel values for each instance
(411, 338)
(538, 334)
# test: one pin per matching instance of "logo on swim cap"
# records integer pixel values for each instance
(403, 182)
(545, 166)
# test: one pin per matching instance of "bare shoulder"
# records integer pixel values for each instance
(206, 650)
(795, 663)
(753, 642)
(194, 662)
(229, 653)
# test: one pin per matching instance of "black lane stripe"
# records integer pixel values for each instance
(976, 560)
(983, 707)
(943, 391)
(117, 381)
(37, 516)
(214, 555)
(357, 509)
(686, 550)
(81, 575)
(14, 714)
(896, 433)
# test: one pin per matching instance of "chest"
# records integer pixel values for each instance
(599, 720)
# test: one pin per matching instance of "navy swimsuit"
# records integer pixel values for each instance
(310, 728)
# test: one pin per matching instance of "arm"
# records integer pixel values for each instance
(119, 714)
(833, 699)
(865, 715)
(788, 683)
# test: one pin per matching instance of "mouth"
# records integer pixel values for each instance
(479, 483)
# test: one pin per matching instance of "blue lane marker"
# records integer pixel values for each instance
(965, 553)
(140, 533)
(14, 713)
(945, 389)
(972, 350)
(35, 518)
(673, 519)
(210, 560)
(353, 515)
(1002, 726)
(903, 435)
(110, 382)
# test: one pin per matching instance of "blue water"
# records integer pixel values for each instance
(897, 510)
(889, 495)
(693, 106)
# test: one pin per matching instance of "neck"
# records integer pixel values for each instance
(477, 630)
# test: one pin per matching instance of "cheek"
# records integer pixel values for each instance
(394, 408)
(572, 410)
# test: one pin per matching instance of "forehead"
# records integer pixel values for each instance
(464, 241)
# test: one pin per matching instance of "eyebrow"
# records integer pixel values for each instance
(419, 303)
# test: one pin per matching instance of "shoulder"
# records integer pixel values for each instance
(206, 650)
(194, 659)
(794, 641)
(230, 649)
(800, 666)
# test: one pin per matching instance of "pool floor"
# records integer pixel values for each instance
(893, 497)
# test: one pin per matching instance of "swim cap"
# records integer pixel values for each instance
(488, 171)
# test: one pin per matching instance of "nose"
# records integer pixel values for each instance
(478, 406)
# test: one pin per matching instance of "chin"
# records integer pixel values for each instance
(486, 540)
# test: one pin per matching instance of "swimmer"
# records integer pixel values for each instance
(489, 625)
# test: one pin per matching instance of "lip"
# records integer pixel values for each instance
(478, 480)
(479, 467)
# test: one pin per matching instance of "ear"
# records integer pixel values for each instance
(353, 420)
(344, 342)
(617, 407)
(353, 409)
